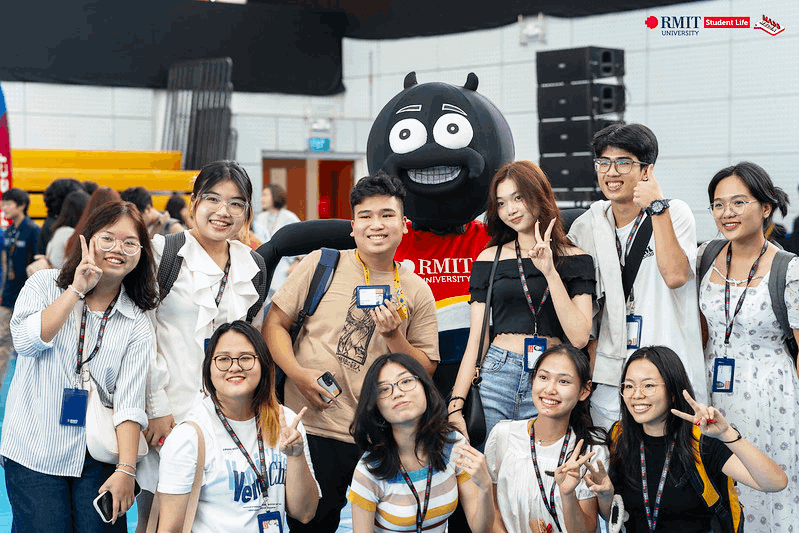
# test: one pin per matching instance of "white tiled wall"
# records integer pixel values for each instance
(712, 99)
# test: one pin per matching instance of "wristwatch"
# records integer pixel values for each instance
(657, 207)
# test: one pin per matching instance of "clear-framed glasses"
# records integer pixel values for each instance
(106, 243)
(623, 166)
(384, 390)
(648, 388)
(737, 207)
(215, 202)
(224, 362)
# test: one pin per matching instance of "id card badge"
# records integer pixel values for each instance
(533, 348)
(369, 296)
(73, 407)
(723, 374)
(270, 522)
(634, 323)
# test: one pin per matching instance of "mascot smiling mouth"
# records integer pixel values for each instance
(433, 175)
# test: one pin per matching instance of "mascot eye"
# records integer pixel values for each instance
(407, 135)
(453, 131)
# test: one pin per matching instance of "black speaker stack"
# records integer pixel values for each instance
(580, 91)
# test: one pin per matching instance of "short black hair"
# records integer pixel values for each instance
(55, 193)
(759, 184)
(138, 196)
(19, 197)
(90, 186)
(174, 206)
(634, 138)
(72, 209)
(379, 184)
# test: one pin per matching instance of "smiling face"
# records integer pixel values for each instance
(218, 224)
(400, 407)
(378, 226)
(12, 210)
(114, 263)
(734, 226)
(651, 412)
(556, 387)
(235, 385)
(619, 188)
(512, 209)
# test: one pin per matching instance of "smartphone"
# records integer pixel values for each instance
(104, 503)
(328, 382)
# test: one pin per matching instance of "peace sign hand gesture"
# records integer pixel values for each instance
(87, 273)
(568, 475)
(709, 419)
(597, 479)
(541, 254)
(291, 442)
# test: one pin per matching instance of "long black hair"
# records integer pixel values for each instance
(373, 434)
(627, 437)
(580, 418)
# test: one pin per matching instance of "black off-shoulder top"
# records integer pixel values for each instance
(510, 311)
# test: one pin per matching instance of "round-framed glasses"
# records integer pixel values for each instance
(224, 362)
(214, 202)
(384, 390)
(737, 207)
(106, 243)
(647, 389)
(623, 166)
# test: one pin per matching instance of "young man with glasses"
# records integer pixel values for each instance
(644, 249)
(347, 333)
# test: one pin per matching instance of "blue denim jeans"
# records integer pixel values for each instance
(506, 389)
(58, 504)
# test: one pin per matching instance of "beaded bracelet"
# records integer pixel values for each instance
(125, 472)
(733, 440)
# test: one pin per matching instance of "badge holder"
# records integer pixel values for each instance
(74, 404)
(533, 348)
(723, 374)
(270, 522)
(370, 296)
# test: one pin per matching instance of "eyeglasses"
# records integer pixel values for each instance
(106, 243)
(647, 389)
(623, 166)
(405, 385)
(224, 362)
(737, 207)
(215, 202)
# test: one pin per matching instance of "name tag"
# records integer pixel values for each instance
(270, 522)
(533, 348)
(73, 407)
(634, 326)
(723, 374)
(369, 296)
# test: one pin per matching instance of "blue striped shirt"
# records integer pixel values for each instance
(32, 434)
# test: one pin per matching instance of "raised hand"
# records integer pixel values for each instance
(708, 418)
(290, 441)
(647, 190)
(87, 273)
(597, 479)
(386, 318)
(541, 254)
(569, 474)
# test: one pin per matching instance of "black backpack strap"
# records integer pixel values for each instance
(320, 282)
(259, 282)
(169, 268)
(776, 289)
(633, 261)
(708, 256)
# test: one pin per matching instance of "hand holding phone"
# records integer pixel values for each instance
(328, 382)
(104, 503)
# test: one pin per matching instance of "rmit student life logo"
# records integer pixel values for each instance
(689, 25)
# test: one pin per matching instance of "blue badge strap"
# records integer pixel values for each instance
(652, 518)
(527, 291)
(752, 271)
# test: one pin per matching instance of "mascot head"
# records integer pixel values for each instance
(445, 143)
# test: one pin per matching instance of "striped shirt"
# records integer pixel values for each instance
(32, 435)
(394, 502)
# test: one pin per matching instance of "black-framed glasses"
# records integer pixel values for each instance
(106, 243)
(224, 362)
(407, 384)
(215, 202)
(623, 166)
(647, 389)
(737, 207)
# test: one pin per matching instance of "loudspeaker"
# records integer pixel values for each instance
(569, 171)
(574, 64)
(569, 136)
(582, 100)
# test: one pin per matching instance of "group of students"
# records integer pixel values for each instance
(170, 344)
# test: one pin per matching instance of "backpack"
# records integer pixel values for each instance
(776, 287)
(169, 269)
(727, 511)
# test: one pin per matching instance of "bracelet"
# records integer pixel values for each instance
(126, 464)
(125, 472)
(82, 296)
(457, 398)
(734, 440)
(455, 411)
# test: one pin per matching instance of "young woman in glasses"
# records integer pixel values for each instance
(84, 322)
(762, 398)
(656, 453)
(415, 467)
(214, 286)
(257, 463)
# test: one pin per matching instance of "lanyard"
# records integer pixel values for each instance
(402, 307)
(420, 513)
(629, 237)
(651, 519)
(223, 283)
(548, 504)
(82, 335)
(527, 291)
(13, 235)
(258, 474)
(743, 294)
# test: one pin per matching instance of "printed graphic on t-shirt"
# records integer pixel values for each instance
(649, 252)
(358, 330)
(244, 486)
